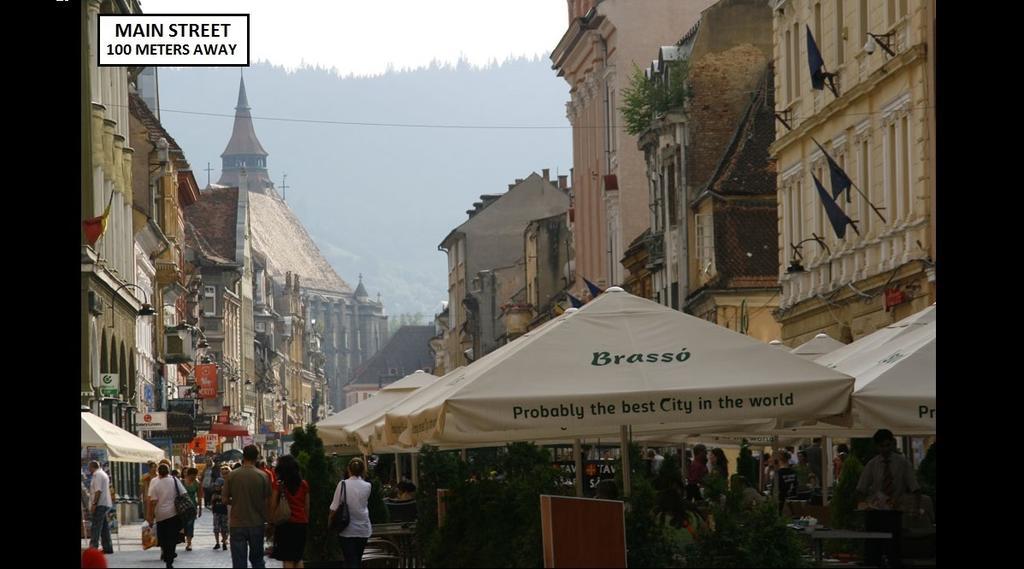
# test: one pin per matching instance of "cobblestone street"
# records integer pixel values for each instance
(128, 550)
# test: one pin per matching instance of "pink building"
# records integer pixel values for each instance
(605, 39)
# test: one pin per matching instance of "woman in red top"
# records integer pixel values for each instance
(290, 537)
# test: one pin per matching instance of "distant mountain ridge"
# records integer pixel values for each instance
(378, 200)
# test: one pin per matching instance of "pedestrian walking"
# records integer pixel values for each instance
(247, 491)
(355, 491)
(290, 537)
(786, 482)
(195, 493)
(100, 502)
(163, 490)
(209, 475)
(220, 510)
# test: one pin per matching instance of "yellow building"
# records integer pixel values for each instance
(880, 130)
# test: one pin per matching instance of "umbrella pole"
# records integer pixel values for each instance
(415, 459)
(624, 446)
(577, 454)
(398, 468)
(464, 455)
(826, 470)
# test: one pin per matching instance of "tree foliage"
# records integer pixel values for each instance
(843, 506)
(308, 449)
(645, 98)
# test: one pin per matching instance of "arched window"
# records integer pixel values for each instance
(103, 353)
(123, 370)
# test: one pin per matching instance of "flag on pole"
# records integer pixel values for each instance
(840, 181)
(96, 226)
(594, 289)
(817, 64)
(836, 216)
(576, 303)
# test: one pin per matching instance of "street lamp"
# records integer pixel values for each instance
(146, 310)
(794, 261)
(885, 41)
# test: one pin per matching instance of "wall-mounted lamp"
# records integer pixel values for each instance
(794, 261)
(885, 41)
(146, 310)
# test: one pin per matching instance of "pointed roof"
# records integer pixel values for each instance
(361, 290)
(243, 135)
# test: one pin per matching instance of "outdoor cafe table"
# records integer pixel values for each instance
(819, 535)
(402, 535)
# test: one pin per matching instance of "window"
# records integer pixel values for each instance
(796, 213)
(863, 23)
(840, 34)
(819, 208)
(903, 8)
(261, 327)
(904, 167)
(817, 25)
(209, 291)
(789, 66)
(796, 60)
(890, 172)
(673, 201)
(705, 243)
(865, 186)
(890, 13)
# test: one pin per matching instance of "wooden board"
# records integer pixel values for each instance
(583, 532)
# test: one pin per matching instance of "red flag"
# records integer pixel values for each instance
(96, 226)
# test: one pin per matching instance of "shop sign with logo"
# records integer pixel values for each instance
(206, 379)
(107, 384)
(156, 421)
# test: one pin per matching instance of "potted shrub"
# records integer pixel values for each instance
(322, 548)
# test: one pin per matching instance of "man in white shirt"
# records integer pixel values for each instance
(100, 504)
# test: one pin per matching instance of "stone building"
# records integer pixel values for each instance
(486, 263)
(351, 325)
(879, 127)
(407, 351)
(596, 57)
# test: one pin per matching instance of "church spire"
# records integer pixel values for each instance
(244, 150)
(243, 101)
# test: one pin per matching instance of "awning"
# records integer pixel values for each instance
(229, 430)
(121, 445)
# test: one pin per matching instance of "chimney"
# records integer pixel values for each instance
(518, 181)
(243, 180)
(510, 186)
(546, 172)
(563, 182)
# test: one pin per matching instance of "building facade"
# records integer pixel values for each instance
(351, 325)
(596, 56)
(880, 130)
(486, 265)
(407, 351)
(710, 250)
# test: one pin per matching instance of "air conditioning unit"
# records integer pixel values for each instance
(96, 304)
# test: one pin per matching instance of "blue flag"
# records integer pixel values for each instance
(576, 303)
(594, 289)
(836, 216)
(840, 181)
(818, 72)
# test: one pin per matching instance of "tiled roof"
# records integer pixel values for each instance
(215, 216)
(407, 351)
(281, 236)
(746, 242)
(746, 167)
(140, 110)
(196, 241)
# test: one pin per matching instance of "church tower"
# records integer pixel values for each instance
(244, 151)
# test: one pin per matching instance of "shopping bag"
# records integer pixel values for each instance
(148, 537)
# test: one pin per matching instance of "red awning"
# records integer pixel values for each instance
(229, 430)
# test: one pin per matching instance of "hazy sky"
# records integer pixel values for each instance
(363, 37)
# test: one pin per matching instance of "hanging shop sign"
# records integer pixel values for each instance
(156, 421)
(206, 379)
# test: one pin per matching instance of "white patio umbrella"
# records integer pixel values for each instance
(121, 445)
(340, 428)
(816, 347)
(619, 360)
